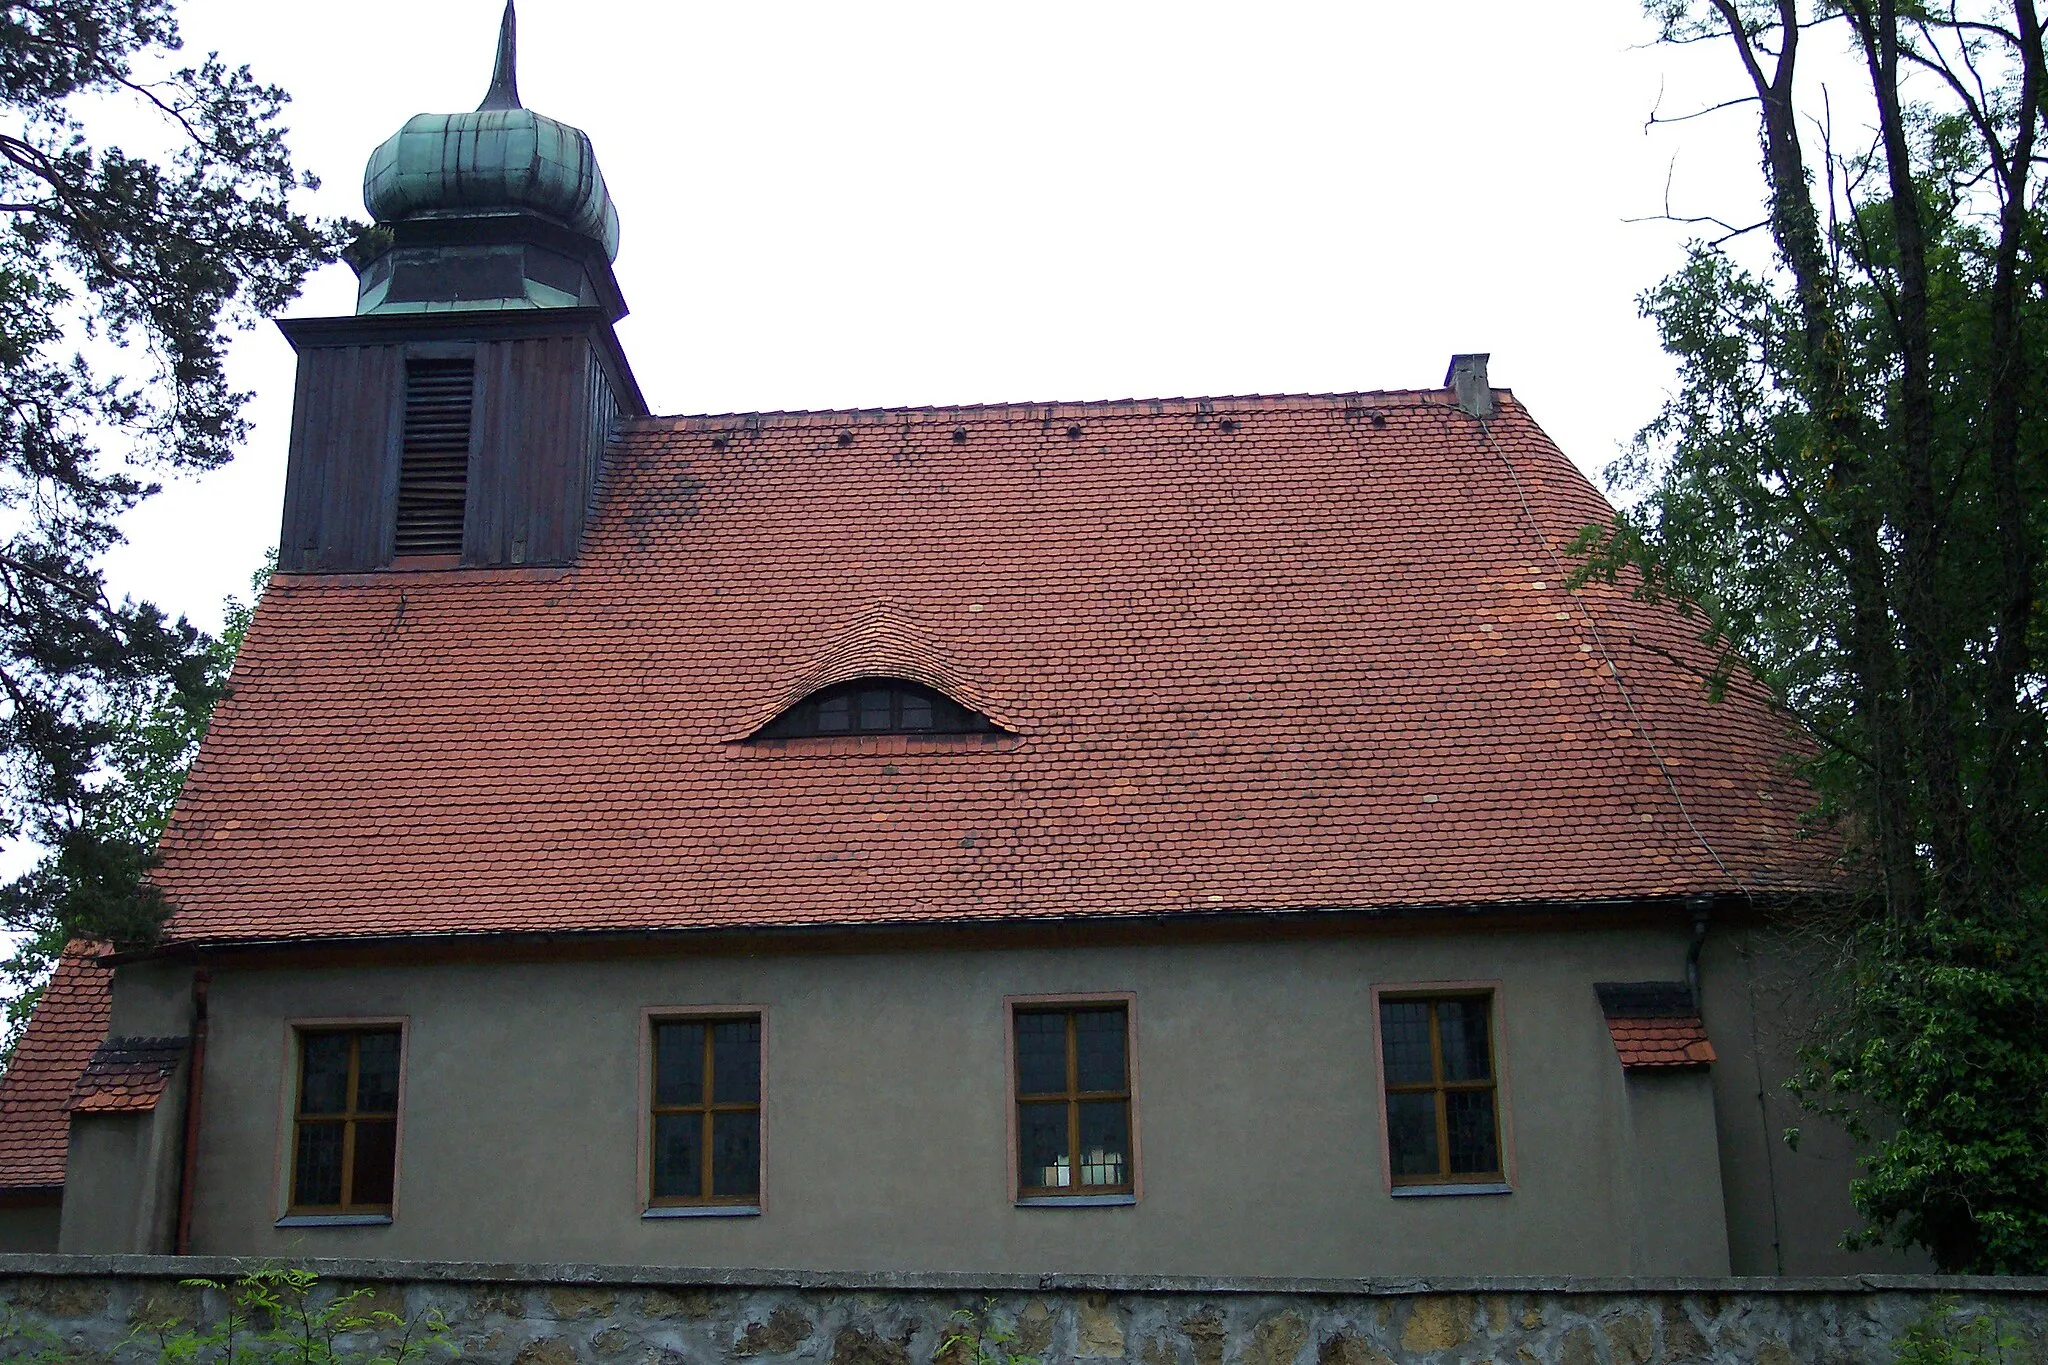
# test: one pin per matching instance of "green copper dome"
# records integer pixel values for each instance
(500, 157)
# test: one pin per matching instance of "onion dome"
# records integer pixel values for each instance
(501, 157)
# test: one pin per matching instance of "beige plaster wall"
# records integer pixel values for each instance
(1787, 1210)
(1260, 1130)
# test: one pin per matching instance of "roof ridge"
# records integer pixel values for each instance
(1139, 406)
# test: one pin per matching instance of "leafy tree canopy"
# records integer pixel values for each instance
(123, 277)
(1848, 484)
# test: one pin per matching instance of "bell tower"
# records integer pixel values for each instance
(459, 418)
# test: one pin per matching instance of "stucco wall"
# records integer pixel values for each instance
(29, 1223)
(84, 1310)
(1258, 1117)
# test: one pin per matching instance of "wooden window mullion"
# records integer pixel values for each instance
(1443, 1105)
(348, 1122)
(709, 1092)
(1073, 1100)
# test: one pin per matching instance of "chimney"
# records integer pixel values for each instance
(1466, 379)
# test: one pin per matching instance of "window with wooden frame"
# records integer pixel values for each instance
(345, 1124)
(1073, 1074)
(705, 1120)
(1443, 1116)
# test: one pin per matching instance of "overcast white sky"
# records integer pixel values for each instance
(859, 204)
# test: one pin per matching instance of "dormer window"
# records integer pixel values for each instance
(877, 706)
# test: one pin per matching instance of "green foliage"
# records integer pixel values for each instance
(279, 1316)
(123, 277)
(977, 1337)
(1849, 491)
(1938, 1337)
(154, 729)
(275, 1315)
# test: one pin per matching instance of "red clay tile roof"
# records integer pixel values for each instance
(1654, 1024)
(127, 1075)
(68, 1024)
(1321, 659)
(1653, 1043)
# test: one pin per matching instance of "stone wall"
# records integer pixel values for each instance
(82, 1310)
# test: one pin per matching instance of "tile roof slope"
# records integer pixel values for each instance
(68, 1024)
(127, 1075)
(1321, 659)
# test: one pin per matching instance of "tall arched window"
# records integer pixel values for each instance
(877, 706)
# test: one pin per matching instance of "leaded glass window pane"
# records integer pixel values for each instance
(1463, 1026)
(1099, 1048)
(678, 1155)
(736, 1059)
(1411, 1133)
(1105, 1140)
(377, 1073)
(317, 1175)
(1404, 1040)
(1041, 1053)
(1042, 1146)
(376, 1158)
(679, 1064)
(1469, 1115)
(735, 1154)
(324, 1089)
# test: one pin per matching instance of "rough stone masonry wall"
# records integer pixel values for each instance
(563, 1315)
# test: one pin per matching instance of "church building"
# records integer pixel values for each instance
(1189, 836)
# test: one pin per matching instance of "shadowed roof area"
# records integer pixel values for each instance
(69, 1023)
(1258, 654)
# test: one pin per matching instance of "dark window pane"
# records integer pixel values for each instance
(1105, 1143)
(735, 1154)
(1042, 1146)
(1411, 1134)
(376, 1156)
(833, 714)
(678, 1156)
(679, 1064)
(324, 1087)
(1404, 1041)
(1041, 1053)
(736, 1061)
(377, 1073)
(1099, 1048)
(1473, 1148)
(316, 1167)
(1461, 1024)
(917, 711)
(874, 708)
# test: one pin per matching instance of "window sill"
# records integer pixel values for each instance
(1429, 1191)
(703, 1211)
(1077, 1201)
(334, 1220)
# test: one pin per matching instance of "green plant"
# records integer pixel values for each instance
(23, 1342)
(1936, 1337)
(977, 1337)
(275, 1316)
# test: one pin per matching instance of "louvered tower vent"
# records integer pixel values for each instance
(433, 472)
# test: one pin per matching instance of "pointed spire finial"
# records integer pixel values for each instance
(504, 91)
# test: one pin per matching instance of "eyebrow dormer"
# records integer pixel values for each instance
(877, 706)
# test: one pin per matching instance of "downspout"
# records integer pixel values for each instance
(1700, 907)
(189, 1168)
